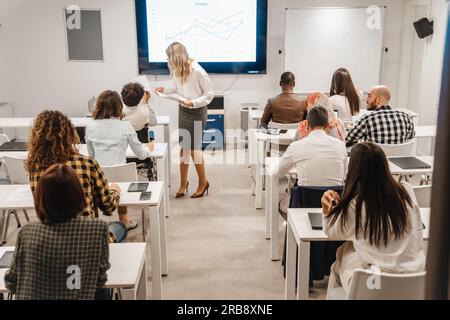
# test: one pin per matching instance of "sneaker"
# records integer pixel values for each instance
(131, 225)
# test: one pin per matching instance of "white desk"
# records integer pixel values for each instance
(16, 197)
(272, 199)
(427, 159)
(260, 141)
(160, 154)
(300, 235)
(128, 270)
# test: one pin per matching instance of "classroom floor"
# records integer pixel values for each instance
(216, 245)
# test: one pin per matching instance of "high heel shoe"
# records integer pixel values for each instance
(201, 195)
(181, 194)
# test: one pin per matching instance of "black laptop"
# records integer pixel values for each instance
(409, 163)
(13, 146)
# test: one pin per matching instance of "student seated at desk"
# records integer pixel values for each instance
(287, 107)
(53, 140)
(377, 215)
(344, 97)
(383, 125)
(108, 138)
(319, 159)
(137, 110)
(140, 114)
(335, 126)
(49, 252)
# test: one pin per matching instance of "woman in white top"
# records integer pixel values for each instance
(377, 215)
(108, 138)
(137, 110)
(344, 97)
(192, 82)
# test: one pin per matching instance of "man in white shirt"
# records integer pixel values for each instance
(319, 159)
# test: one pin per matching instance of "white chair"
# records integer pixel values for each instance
(391, 287)
(124, 173)
(15, 168)
(121, 173)
(283, 126)
(4, 138)
(400, 150)
(423, 196)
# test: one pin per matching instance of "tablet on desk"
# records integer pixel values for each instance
(409, 163)
(138, 187)
(316, 220)
(13, 146)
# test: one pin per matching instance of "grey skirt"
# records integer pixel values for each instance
(191, 123)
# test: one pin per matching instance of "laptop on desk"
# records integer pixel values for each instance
(13, 146)
(409, 163)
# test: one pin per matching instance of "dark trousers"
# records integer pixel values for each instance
(143, 138)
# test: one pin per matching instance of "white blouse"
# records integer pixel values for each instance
(404, 255)
(198, 88)
(341, 104)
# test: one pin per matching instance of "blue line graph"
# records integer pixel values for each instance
(222, 29)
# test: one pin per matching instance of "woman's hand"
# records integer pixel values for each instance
(330, 200)
(188, 104)
(160, 90)
(115, 187)
(151, 146)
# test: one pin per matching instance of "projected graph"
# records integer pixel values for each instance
(200, 31)
(212, 30)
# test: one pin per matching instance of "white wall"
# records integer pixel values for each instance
(36, 56)
(4, 94)
(432, 64)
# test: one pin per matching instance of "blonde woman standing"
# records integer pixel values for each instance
(192, 82)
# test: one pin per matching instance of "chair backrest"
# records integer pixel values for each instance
(283, 126)
(121, 173)
(15, 168)
(407, 149)
(423, 196)
(366, 285)
(4, 138)
(310, 197)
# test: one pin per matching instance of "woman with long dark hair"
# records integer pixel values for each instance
(344, 97)
(377, 215)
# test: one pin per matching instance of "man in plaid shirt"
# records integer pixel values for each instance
(383, 125)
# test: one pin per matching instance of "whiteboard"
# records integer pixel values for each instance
(318, 41)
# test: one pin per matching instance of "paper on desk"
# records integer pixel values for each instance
(172, 96)
(20, 195)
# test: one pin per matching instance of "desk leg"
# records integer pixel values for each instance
(162, 221)
(155, 243)
(162, 169)
(141, 290)
(274, 219)
(251, 149)
(167, 139)
(303, 270)
(268, 207)
(260, 147)
(291, 254)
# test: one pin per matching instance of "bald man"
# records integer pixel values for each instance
(384, 125)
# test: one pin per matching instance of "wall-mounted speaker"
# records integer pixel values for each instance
(424, 28)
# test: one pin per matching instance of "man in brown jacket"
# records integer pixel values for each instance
(287, 107)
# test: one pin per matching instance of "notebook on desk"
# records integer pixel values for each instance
(409, 163)
(13, 146)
